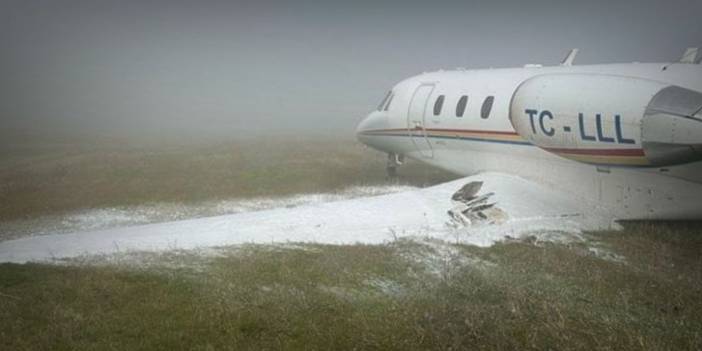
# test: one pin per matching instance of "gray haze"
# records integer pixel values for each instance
(228, 68)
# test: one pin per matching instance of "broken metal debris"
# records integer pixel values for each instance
(470, 208)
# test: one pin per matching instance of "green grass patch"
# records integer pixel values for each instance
(405, 295)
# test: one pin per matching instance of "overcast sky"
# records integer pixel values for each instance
(234, 67)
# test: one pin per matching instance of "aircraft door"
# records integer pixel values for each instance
(416, 119)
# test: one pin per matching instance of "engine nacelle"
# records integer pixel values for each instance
(610, 120)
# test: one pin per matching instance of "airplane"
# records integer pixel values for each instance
(625, 137)
(546, 151)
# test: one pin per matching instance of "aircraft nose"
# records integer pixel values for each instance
(373, 122)
(362, 126)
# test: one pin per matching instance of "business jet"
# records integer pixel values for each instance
(546, 150)
(624, 137)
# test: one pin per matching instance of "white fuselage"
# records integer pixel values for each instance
(618, 177)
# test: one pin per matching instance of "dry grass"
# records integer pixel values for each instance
(50, 177)
(401, 296)
(639, 290)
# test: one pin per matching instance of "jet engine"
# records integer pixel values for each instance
(610, 120)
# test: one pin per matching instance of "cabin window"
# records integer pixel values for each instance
(387, 105)
(438, 104)
(487, 107)
(461, 106)
(385, 99)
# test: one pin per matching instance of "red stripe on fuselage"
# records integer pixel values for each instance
(599, 152)
(443, 130)
(497, 132)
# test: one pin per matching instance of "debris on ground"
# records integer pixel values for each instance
(471, 208)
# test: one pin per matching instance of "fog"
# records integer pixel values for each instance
(234, 68)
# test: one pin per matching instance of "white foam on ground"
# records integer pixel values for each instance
(106, 218)
(369, 220)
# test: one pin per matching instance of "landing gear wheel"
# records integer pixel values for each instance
(394, 161)
(391, 172)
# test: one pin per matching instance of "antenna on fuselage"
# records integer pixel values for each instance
(690, 56)
(568, 60)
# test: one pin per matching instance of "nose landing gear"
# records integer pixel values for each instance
(394, 161)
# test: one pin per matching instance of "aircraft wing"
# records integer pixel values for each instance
(516, 208)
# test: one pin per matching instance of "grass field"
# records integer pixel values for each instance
(635, 289)
(407, 295)
(49, 175)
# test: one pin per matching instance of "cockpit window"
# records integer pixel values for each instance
(387, 105)
(438, 105)
(487, 107)
(385, 99)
